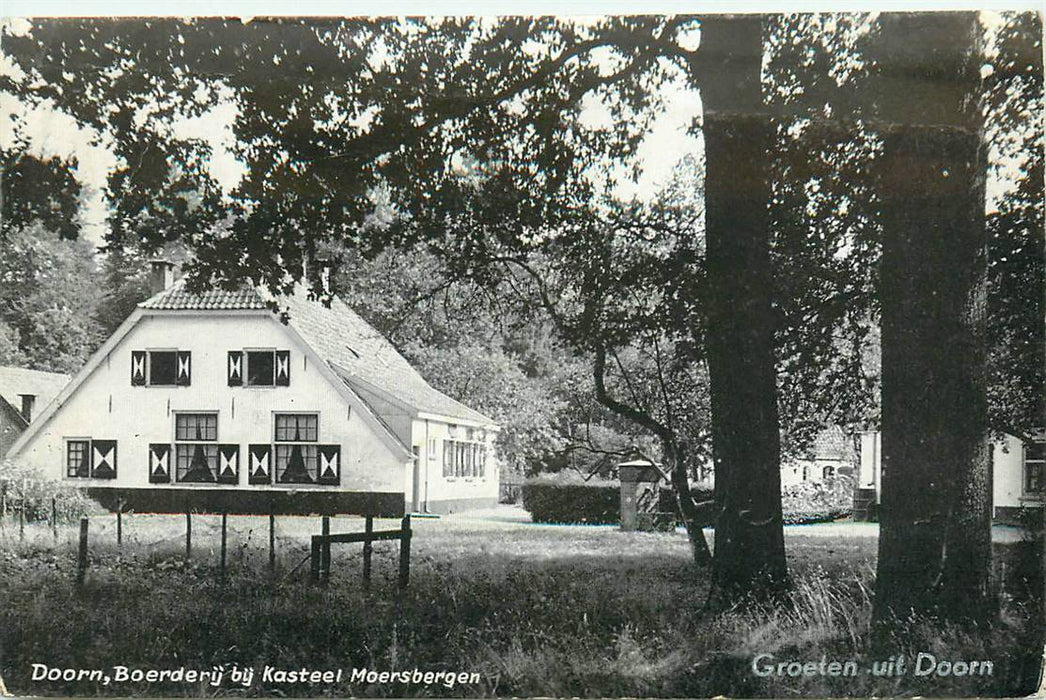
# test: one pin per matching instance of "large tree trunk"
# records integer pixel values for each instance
(934, 544)
(749, 540)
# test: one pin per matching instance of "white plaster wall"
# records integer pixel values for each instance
(870, 472)
(1008, 468)
(436, 487)
(106, 406)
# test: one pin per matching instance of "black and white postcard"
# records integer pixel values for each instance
(523, 354)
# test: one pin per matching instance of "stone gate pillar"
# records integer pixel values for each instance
(639, 491)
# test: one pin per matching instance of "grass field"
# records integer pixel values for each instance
(534, 610)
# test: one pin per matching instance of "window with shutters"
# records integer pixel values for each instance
(161, 367)
(259, 368)
(297, 452)
(196, 447)
(88, 458)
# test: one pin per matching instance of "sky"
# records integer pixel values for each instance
(16, 8)
(52, 133)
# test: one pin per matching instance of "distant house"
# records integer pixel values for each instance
(209, 402)
(23, 392)
(832, 453)
(1018, 473)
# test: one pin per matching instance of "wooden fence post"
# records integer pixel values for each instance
(325, 555)
(404, 577)
(188, 534)
(367, 549)
(272, 543)
(225, 518)
(81, 560)
(21, 518)
(54, 516)
(314, 560)
(119, 523)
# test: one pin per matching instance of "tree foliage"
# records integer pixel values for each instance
(37, 190)
(49, 292)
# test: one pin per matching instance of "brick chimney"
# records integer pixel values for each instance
(161, 276)
(28, 403)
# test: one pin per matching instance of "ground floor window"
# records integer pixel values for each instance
(1035, 468)
(88, 458)
(296, 464)
(196, 447)
(78, 458)
(297, 455)
(461, 458)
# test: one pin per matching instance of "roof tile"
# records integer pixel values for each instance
(178, 298)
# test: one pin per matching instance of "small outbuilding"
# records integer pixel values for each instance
(23, 392)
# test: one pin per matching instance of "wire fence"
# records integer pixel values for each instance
(158, 538)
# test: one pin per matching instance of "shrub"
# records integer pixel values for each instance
(816, 502)
(553, 501)
(26, 490)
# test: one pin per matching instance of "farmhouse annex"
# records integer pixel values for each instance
(211, 401)
(1018, 473)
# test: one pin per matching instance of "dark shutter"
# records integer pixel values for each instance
(138, 368)
(235, 368)
(330, 464)
(103, 459)
(159, 463)
(259, 469)
(184, 374)
(228, 464)
(283, 368)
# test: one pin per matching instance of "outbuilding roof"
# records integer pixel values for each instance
(43, 385)
(352, 348)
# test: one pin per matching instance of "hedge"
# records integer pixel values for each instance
(550, 502)
(593, 503)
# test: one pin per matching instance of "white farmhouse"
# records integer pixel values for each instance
(210, 402)
(831, 454)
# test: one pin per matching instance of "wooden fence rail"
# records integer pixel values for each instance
(321, 547)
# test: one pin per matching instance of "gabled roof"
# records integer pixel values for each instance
(43, 385)
(361, 356)
(832, 443)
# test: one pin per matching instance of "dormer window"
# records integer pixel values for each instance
(259, 368)
(161, 367)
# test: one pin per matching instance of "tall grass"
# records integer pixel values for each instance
(536, 610)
